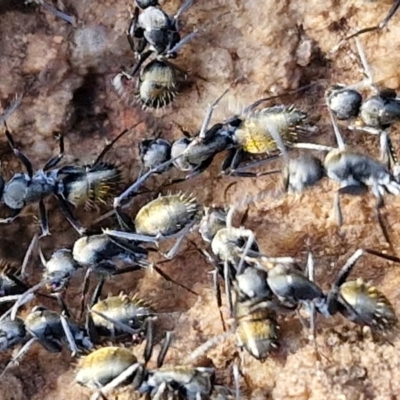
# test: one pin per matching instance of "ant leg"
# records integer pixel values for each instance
(44, 220)
(390, 14)
(98, 396)
(226, 164)
(242, 362)
(161, 390)
(182, 234)
(55, 160)
(274, 260)
(241, 171)
(369, 80)
(209, 114)
(28, 254)
(19, 154)
(113, 271)
(123, 327)
(140, 45)
(164, 349)
(66, 210)
(217, 291)
(338, 209)
(214, 262)
(67, 18)
(311, 146)
(393, 159)
(118, 380)
(23, 298)
(85, 287)
(42, 258)
(139, 182)
(9, 220)
(10, 298)
(381, 25)
(382, 255)
(339, 138)
(263, 100)
(386, 147)
(109, 145)
(254, 255)
(135, 31)
(145, 238)
(382, 223)
(124, 220)
(229, 216)
(68, 334)
(172, 53)
(311, 306)
(276, 136)
(24, 349)
(236, 377)
(310, 269)
(97, 292)
(62, 304)
(203, 348)
(131, 252)
(142, 58)
(169, 279)
(366, 66)
(11, 108)
(132, 236)
(148, 350)
(194, 172)
(71, 170)
(150, 266)
(250, 241)
(358, 33)
(228, 292)
(186, 5)
(174, 249)
(388, 153)
(90, 327)
(367, 129)
(232, 161)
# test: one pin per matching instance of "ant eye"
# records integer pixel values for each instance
(235, 122)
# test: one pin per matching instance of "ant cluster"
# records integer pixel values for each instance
(258, 288)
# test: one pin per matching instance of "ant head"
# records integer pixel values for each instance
(143, 4)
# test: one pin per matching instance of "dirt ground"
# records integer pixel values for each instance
(273, 46)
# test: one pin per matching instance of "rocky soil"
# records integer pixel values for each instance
(272, 47)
